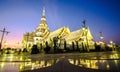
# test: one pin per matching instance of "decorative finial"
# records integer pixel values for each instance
(43, 11)
(84, 25)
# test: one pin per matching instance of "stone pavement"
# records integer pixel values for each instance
(63, 65)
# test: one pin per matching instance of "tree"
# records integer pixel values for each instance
(47, 49)
(83, 49)
(40, 46)
(34, 50)
(19, 52)
(73, 46)
(97, 47)
(65, 47)
(77, 45)
(55, 40)
(107, 47)
(25, 50)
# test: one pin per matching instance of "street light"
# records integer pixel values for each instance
(102, 42)
(101, 36)
(111, 42)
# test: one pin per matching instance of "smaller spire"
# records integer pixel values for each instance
(101, 35)
(84, 25)
(43, 23)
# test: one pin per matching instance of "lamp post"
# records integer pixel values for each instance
(111, 42)
(101, 36)
(102, 41)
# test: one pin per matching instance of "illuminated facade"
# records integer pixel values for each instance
(42, 34)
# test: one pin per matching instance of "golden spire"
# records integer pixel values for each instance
(42, 27)
(43, 23)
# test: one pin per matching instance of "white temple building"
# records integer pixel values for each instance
(42, 34)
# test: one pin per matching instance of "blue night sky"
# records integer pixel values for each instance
(20, 16)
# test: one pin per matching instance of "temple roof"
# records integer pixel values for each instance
(75, 35)
(56, 33)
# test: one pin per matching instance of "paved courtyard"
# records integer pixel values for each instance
(72, 62)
